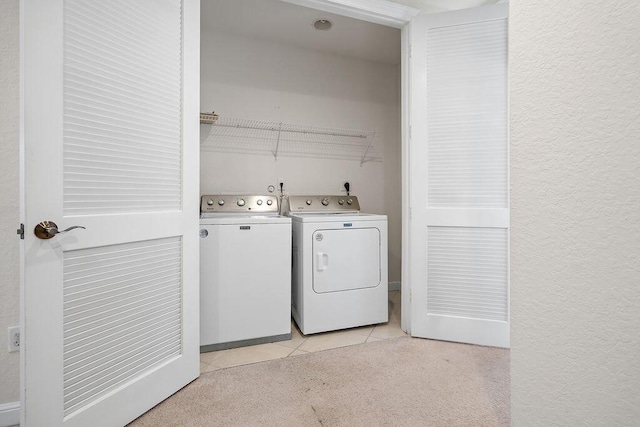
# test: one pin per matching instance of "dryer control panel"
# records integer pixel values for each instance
(324, 204)
(225, 203)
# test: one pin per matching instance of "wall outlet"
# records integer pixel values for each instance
(14, 338)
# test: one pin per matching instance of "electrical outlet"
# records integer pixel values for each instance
(14, 338)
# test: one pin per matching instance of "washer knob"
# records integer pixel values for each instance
(308, 202)
(240, 202)
(350, 201)
(220, 202)
(210, 202)
(325, 202)
(341, 202)
(259, 202)
(269, 202)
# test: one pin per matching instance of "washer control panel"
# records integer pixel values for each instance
(313, 204)
(220, 203)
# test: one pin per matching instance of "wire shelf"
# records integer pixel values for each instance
(277, 139)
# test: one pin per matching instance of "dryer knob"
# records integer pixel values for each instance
(210, 202)
(325, 202)
(259, 202)
(308, 202)
(341, 202)
(220, 202)
(350, 201)
(269, 202)
(241, 202)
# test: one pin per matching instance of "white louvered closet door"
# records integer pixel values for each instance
(460, 177)
(110, 144)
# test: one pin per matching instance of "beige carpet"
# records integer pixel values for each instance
(397, 382)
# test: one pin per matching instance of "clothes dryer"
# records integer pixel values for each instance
(339, 274)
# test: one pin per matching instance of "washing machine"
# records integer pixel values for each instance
(245, 271)
(339, 266)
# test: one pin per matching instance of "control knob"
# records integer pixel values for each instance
(220, 202)
(308, 202)
(210, 202)
(325, 202)
(240, 202)
(341, 202)
(259, 202)
(350, 201)
(269, 202)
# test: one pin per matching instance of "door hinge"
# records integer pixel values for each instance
(20, 231)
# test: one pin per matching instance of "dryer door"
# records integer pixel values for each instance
(346, 259)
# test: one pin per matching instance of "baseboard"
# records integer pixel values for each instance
(394, 286)
(9, 414)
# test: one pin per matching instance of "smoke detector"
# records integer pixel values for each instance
(322, 24)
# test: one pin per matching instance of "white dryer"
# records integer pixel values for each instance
(339, 274)
(245, 272)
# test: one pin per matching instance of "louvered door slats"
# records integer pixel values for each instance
(122, 107)
(122, 314)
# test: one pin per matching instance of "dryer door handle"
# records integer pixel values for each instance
(322, 261)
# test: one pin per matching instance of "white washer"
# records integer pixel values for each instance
(339, 276)
(245, 272)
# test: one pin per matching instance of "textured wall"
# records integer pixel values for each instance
(9, 206)
(575, 159)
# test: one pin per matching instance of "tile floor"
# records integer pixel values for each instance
(303, 344)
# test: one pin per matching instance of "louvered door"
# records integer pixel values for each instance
(459, 177)
(111, 140)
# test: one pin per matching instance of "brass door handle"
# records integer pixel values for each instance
(48, 229)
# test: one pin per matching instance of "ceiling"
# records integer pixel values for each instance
(289, 24)
(285, 23)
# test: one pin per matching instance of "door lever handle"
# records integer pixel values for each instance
(48, 229)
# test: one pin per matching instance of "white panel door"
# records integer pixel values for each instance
(459, 176)
(110, 134)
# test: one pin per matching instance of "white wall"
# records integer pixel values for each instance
(9, 205)
(256, 79)
(575, 230)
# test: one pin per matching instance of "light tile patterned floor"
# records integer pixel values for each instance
(301, 344)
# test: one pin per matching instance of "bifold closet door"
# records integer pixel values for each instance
(460, 177)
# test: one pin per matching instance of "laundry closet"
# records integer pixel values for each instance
(310, 108)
